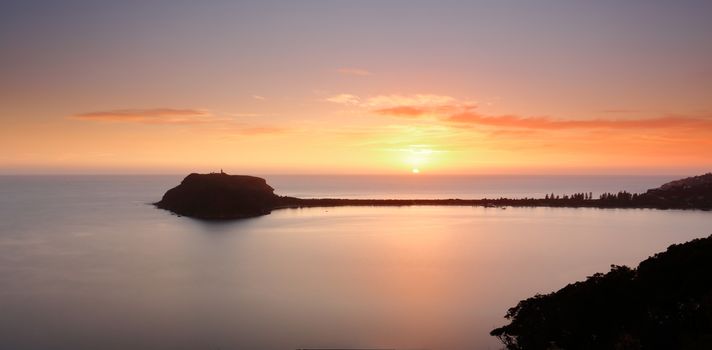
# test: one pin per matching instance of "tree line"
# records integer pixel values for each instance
(621, 196)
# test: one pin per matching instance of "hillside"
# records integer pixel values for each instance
(665, 303)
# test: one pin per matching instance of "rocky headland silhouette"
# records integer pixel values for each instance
(224, 196)
(664, 303)
(220, 196)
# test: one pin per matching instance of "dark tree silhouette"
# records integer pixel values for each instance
(666, 303)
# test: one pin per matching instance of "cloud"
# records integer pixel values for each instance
(546, 123)
(410, 106)
(260, 130)
(247, 115)
(620, 110)
(248, 130)
(404, 105)
(423, 101)
(150, 116)
(451, 111)
(402, 111)
(258, 97)
(354, 72)
(173, 116)
(345, 99)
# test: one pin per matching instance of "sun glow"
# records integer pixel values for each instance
(417, 157)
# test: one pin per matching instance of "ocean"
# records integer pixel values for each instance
(87, 263)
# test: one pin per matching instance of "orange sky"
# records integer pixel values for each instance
(310, 88)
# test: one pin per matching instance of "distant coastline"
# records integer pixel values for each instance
(224, 196)
(565, 201)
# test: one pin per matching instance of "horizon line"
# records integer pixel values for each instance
(404, 174)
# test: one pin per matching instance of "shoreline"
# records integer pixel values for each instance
(221, 196)
(293, 202)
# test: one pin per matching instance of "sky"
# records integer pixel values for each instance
(356, 87)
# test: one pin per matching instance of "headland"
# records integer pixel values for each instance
(223, 196)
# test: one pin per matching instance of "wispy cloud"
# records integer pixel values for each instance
(422, 101)
(620, 111)
(353, 71)
(451, 111)
(247, 115)
(260, 130)
(150, 116)
(345, 99)
(404, 105)
(402, 111)
(248, 130)
(546, 123)
(259, 97)
(175, 116)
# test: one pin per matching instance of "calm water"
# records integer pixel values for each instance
(465, 187)
(86, 264)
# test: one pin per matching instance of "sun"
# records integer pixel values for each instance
(416, 157)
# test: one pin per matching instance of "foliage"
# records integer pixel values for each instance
(666, 303)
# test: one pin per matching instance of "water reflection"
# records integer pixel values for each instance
(107, 272)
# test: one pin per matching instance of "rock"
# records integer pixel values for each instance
(220, 196)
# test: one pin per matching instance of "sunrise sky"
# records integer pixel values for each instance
(355, 87)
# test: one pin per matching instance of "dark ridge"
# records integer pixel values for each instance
(223, 196)
(665, 303)
(688, 193)
(220, 196)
